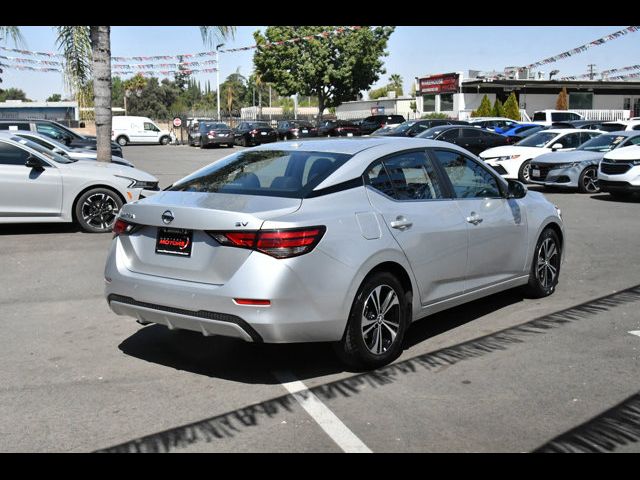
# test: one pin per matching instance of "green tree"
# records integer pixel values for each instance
(334, 68)
(498, 109)
(55, 97)
(13, 94)
(395, 83)
(511, 108)
(233, 92)
(485, 109)
(562, 103)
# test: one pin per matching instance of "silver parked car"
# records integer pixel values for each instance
(579, 168)
(344, 241)
(64, 150)
(39, 185)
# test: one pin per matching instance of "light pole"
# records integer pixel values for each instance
(218, 76)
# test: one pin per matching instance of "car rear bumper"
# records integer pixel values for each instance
(217, 140)
(299, 311)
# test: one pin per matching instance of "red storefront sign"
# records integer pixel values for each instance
(445, 83)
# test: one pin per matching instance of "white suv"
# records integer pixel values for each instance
(619, 172)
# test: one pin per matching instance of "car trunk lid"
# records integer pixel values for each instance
(187, 216)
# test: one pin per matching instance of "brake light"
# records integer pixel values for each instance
(252, 302)
(121, 227)
(295, 129)
(212, 132)
(285, 243)
(253, 132)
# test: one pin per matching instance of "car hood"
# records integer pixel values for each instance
(624, 153)
(512, 150)
(566, 157)
(92, 167)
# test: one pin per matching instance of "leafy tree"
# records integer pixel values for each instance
(55, 97)
(511, 108)
(434, 115)
(334, 68)
(562, 103)
(485, 109)
(498, 109)
(233, 92)
(13, 94)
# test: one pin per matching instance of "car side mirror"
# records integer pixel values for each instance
(516, 189)
(34, 163)
(556, 146)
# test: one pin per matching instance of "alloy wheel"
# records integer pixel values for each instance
(99, 211)
(547, 263)
(590, 180)
(380, 321)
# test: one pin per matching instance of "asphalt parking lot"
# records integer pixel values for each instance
(502, 374)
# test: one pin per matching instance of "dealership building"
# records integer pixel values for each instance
(58, 111)
(456, 96)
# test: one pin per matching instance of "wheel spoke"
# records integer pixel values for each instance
(375, 296)
(552, 251)
(389, 301)
(391, 330)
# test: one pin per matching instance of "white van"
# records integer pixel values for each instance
(548, 117)
(127, 129)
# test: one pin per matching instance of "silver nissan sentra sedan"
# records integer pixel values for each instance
(344, 241)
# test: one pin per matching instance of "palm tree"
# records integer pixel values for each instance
(13, 33)
(396, 83)
(87, 51)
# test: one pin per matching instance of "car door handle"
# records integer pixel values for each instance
(474, 218)
(401, 223)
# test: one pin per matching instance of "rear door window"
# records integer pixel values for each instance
(468, 178)
(406, 176)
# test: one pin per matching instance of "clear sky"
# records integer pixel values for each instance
(413, 51)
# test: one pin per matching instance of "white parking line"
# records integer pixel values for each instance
(635, 332)
(324, 417)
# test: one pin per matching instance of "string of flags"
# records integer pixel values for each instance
(187, 71)
(624, 77)
(582, 48)
(155, 66)
(181, 57)
(606, 73)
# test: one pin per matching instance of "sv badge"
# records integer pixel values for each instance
(241, 224)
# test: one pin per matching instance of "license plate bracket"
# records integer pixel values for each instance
(174, 241)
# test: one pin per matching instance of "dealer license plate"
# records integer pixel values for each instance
(174, 241)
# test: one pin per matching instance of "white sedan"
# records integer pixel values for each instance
(514, 161)
(38, 185)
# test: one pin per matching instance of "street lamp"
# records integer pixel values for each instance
(218, 76)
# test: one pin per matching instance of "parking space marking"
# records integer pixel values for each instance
(328, 421)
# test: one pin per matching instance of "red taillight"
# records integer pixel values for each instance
(212, 132)
(277, 243)
(253, 132)
(252, 302)
(295, 129)
(121, 227)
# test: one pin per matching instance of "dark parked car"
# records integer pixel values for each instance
(290, 129)
(374, 122)
(411, 128)
(58, 132)
(254, 133)
(204, 134)
(338, 128)
(473, 139)
(582, 124)
(522, 131)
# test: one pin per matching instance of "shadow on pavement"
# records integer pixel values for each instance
(39, 228)
(235, 422)
(239, 361)
(608, 198)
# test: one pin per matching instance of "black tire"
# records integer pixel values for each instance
(200, 143)
(230, 145)
(524, 174)
(165, 140)
(122, 140)
(588, 180)
(355, 348)
(542, 281)
(244, 142)
(97, 209)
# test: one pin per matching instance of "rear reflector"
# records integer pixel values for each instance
(252, 302)
(285, 243)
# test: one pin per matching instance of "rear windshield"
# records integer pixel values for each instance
(259, 125)
(539, 117)
(214, 126)
(273, 173)
(613, 127)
